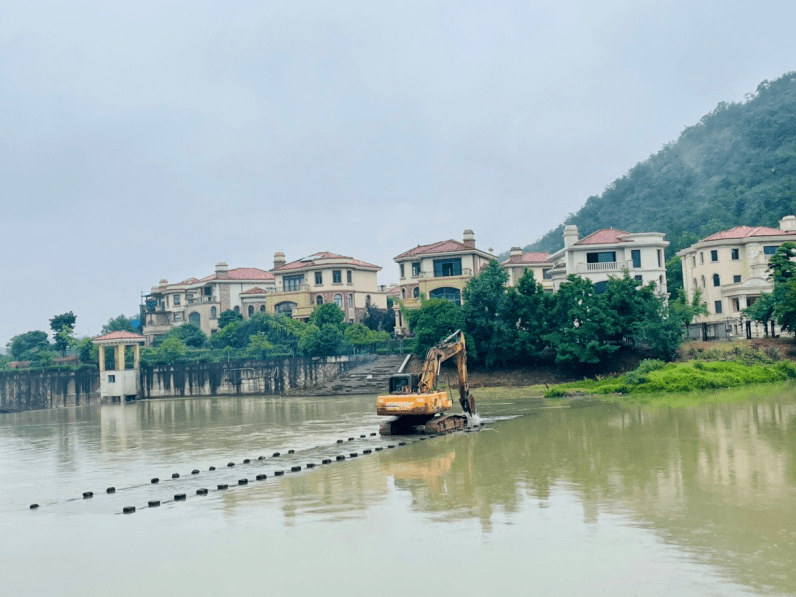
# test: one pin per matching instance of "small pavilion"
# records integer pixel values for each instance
(119, 383)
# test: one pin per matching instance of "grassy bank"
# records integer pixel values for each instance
(655, 376)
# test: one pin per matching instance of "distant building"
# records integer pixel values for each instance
(519, 262)
(437, 270)
(322, 278)
(201, 301)
(730, 269)
(608, 253)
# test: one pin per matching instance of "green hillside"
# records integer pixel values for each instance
(736, 166)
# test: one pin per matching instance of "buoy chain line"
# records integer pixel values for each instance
(241, 482)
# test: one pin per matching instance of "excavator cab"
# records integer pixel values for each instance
(404, 383)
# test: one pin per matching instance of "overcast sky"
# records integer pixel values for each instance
(147, 140)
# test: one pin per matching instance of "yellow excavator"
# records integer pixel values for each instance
(415, 401)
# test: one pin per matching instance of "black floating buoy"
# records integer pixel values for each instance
(326, 461)
(88, 494)
(179, 497)
(291, 451)
(261, 458)
(246, 461)
(401, 443)
(373, 434)
(362, 435)
(350, 439)
(390, 445)
(201, 491)
(243, 481)
(212, 468)
(379, 448)
(295, 468)
(110, 490)
(340, 457)
(310, 465)
(230, 464)
(155, 480)
(367, 451)
(34, 506)
(175, 475)
(223, 486)
(279, 473)
(353, 454)
(422, 439)
(262, 476)
(154, 503)
(276, 454)
(339, 441)
(128, 509)
(195, 471)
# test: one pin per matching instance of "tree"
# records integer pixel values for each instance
(484, 303)
(170, 350)
(360, 336)
(227, 317)
(321, 342)
(87, 351)
(120, 323)
(526, 310)
(25, 346)
(327, 314)
(63, 327)
(189, 334)
(435, 320)
(259, 346)
(380, 319)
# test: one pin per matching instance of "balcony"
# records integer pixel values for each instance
(466, 273)
(608, 266)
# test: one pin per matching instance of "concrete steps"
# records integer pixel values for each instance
(369, 378)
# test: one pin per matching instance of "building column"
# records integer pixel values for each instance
(119, 364)
(101, 353)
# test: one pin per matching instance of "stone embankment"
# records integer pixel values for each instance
(367, 378)
(48, 388)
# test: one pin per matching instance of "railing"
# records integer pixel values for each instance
(608, 266)
(466, 272)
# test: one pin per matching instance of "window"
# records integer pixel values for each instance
(416, 269)
(318, 278)
(693, 260)
(601, 257)
(177, 317)
(639, 279)
(337, 276)
(350, 300)
(251, 310)
(177, 299)
(112, 378)
(194, 319)
(735, 254)
(601, 287)
(213, 313)
(716, 280)
(338, 300)
(750, 300)
(367, 300)
(635, 255)
(293, 283)
(447, 267)
(714, 254)
(736, 305)
(416, 292)
(403, 293)
(770, 249)
(189, 296)
(348, 276)
(736, 279)
(237, 309)
(660, 258)
(546, 274)
(262, 308)
(208, 291)
(319, 300)
(718, 306)
(454, 295)
(703, 281)
(285, 308)
(701, 257)
(402, 270)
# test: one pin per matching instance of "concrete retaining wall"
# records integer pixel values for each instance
(49, 388)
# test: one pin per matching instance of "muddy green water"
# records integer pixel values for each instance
(685, 497)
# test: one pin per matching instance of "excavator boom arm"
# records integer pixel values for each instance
(453, 345)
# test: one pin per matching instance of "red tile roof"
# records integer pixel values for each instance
(606, 236)
(527, 258)
(443, 246)
(255, 290)
(747, 231)
(120, 335)
(240, 273)
(312, 261)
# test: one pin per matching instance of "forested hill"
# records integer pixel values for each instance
(736, 166)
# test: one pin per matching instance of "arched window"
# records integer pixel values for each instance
(319, 300)
(213, 313)
(350, 300)
(600, 287)
(338, 300)
(716, 280)
(403, 293)
(285, 308)
(262, 308)
(237, 309)
(454, 295)
(416, 292)
(194, 319)
(251, 310)
(367, 300)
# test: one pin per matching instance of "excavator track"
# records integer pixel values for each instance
(413, 425)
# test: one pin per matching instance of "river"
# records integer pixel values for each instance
(691, 496)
